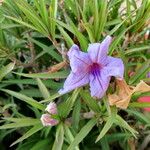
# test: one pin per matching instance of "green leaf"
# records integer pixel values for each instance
(21, 22)
(118, 136)
(23, 122)
(28, 133)
(139, 104)
(83, 133)
(26, 99)
(5, 70)
(53, 14)
(32, 92)
(41, 6)
(118, 39)
(41, 144)
(48, 83)
(8, 26)
(32, 16)
(137, 49)
(73, 29)
(142, 16)
(122, 123)
(104, 143)
(24, 119)
(68, 39)
(139, 116)
(47, 75)
(51, 98)
(106, 127)
(51, 51)
(43, 89)
(143, 69)
(100, 17)
(63, 112)
(69, 136)
(76, 114)
(59, 138)
(91, 102)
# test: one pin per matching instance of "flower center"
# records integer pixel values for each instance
(95, 69)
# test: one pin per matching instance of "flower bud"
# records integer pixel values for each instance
(47, 120)
(51, 108)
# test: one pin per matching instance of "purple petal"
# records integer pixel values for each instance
(98, 52)
(79, 61)
(114, 67)
(148, 75)
(74, 80)
(99, 84)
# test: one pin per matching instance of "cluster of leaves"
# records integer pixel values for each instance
(35, 35)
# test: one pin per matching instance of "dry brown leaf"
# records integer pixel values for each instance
(142, 87)
(57, 67)
(122, 98)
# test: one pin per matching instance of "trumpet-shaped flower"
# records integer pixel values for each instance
(94, 67)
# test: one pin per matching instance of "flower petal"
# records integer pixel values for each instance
(75, 80)
(98, 52)
(79, 61)
(114, 67)
(99, 84)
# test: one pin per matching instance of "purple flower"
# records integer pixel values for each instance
(94, 67)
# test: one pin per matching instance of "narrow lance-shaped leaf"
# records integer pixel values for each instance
(43, 89)
(67, 38)
(21, 123)
(51, 98)
(32, 16)
(106, 127)
(59, 139)
(142, 70)
(102, 15)
(69, 136)
(82, 134)
(60, 75)
(122, 123)
(26, 99)
(76, 114)
(63, 112)
(29, 133)
(22, 22)
(49, 50)
(91, 102)
(53, 15)
(5, 70)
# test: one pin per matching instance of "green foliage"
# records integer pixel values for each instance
(58, 144)
(82, 134)
(35, 36)
(63, 112)
(5, 70)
